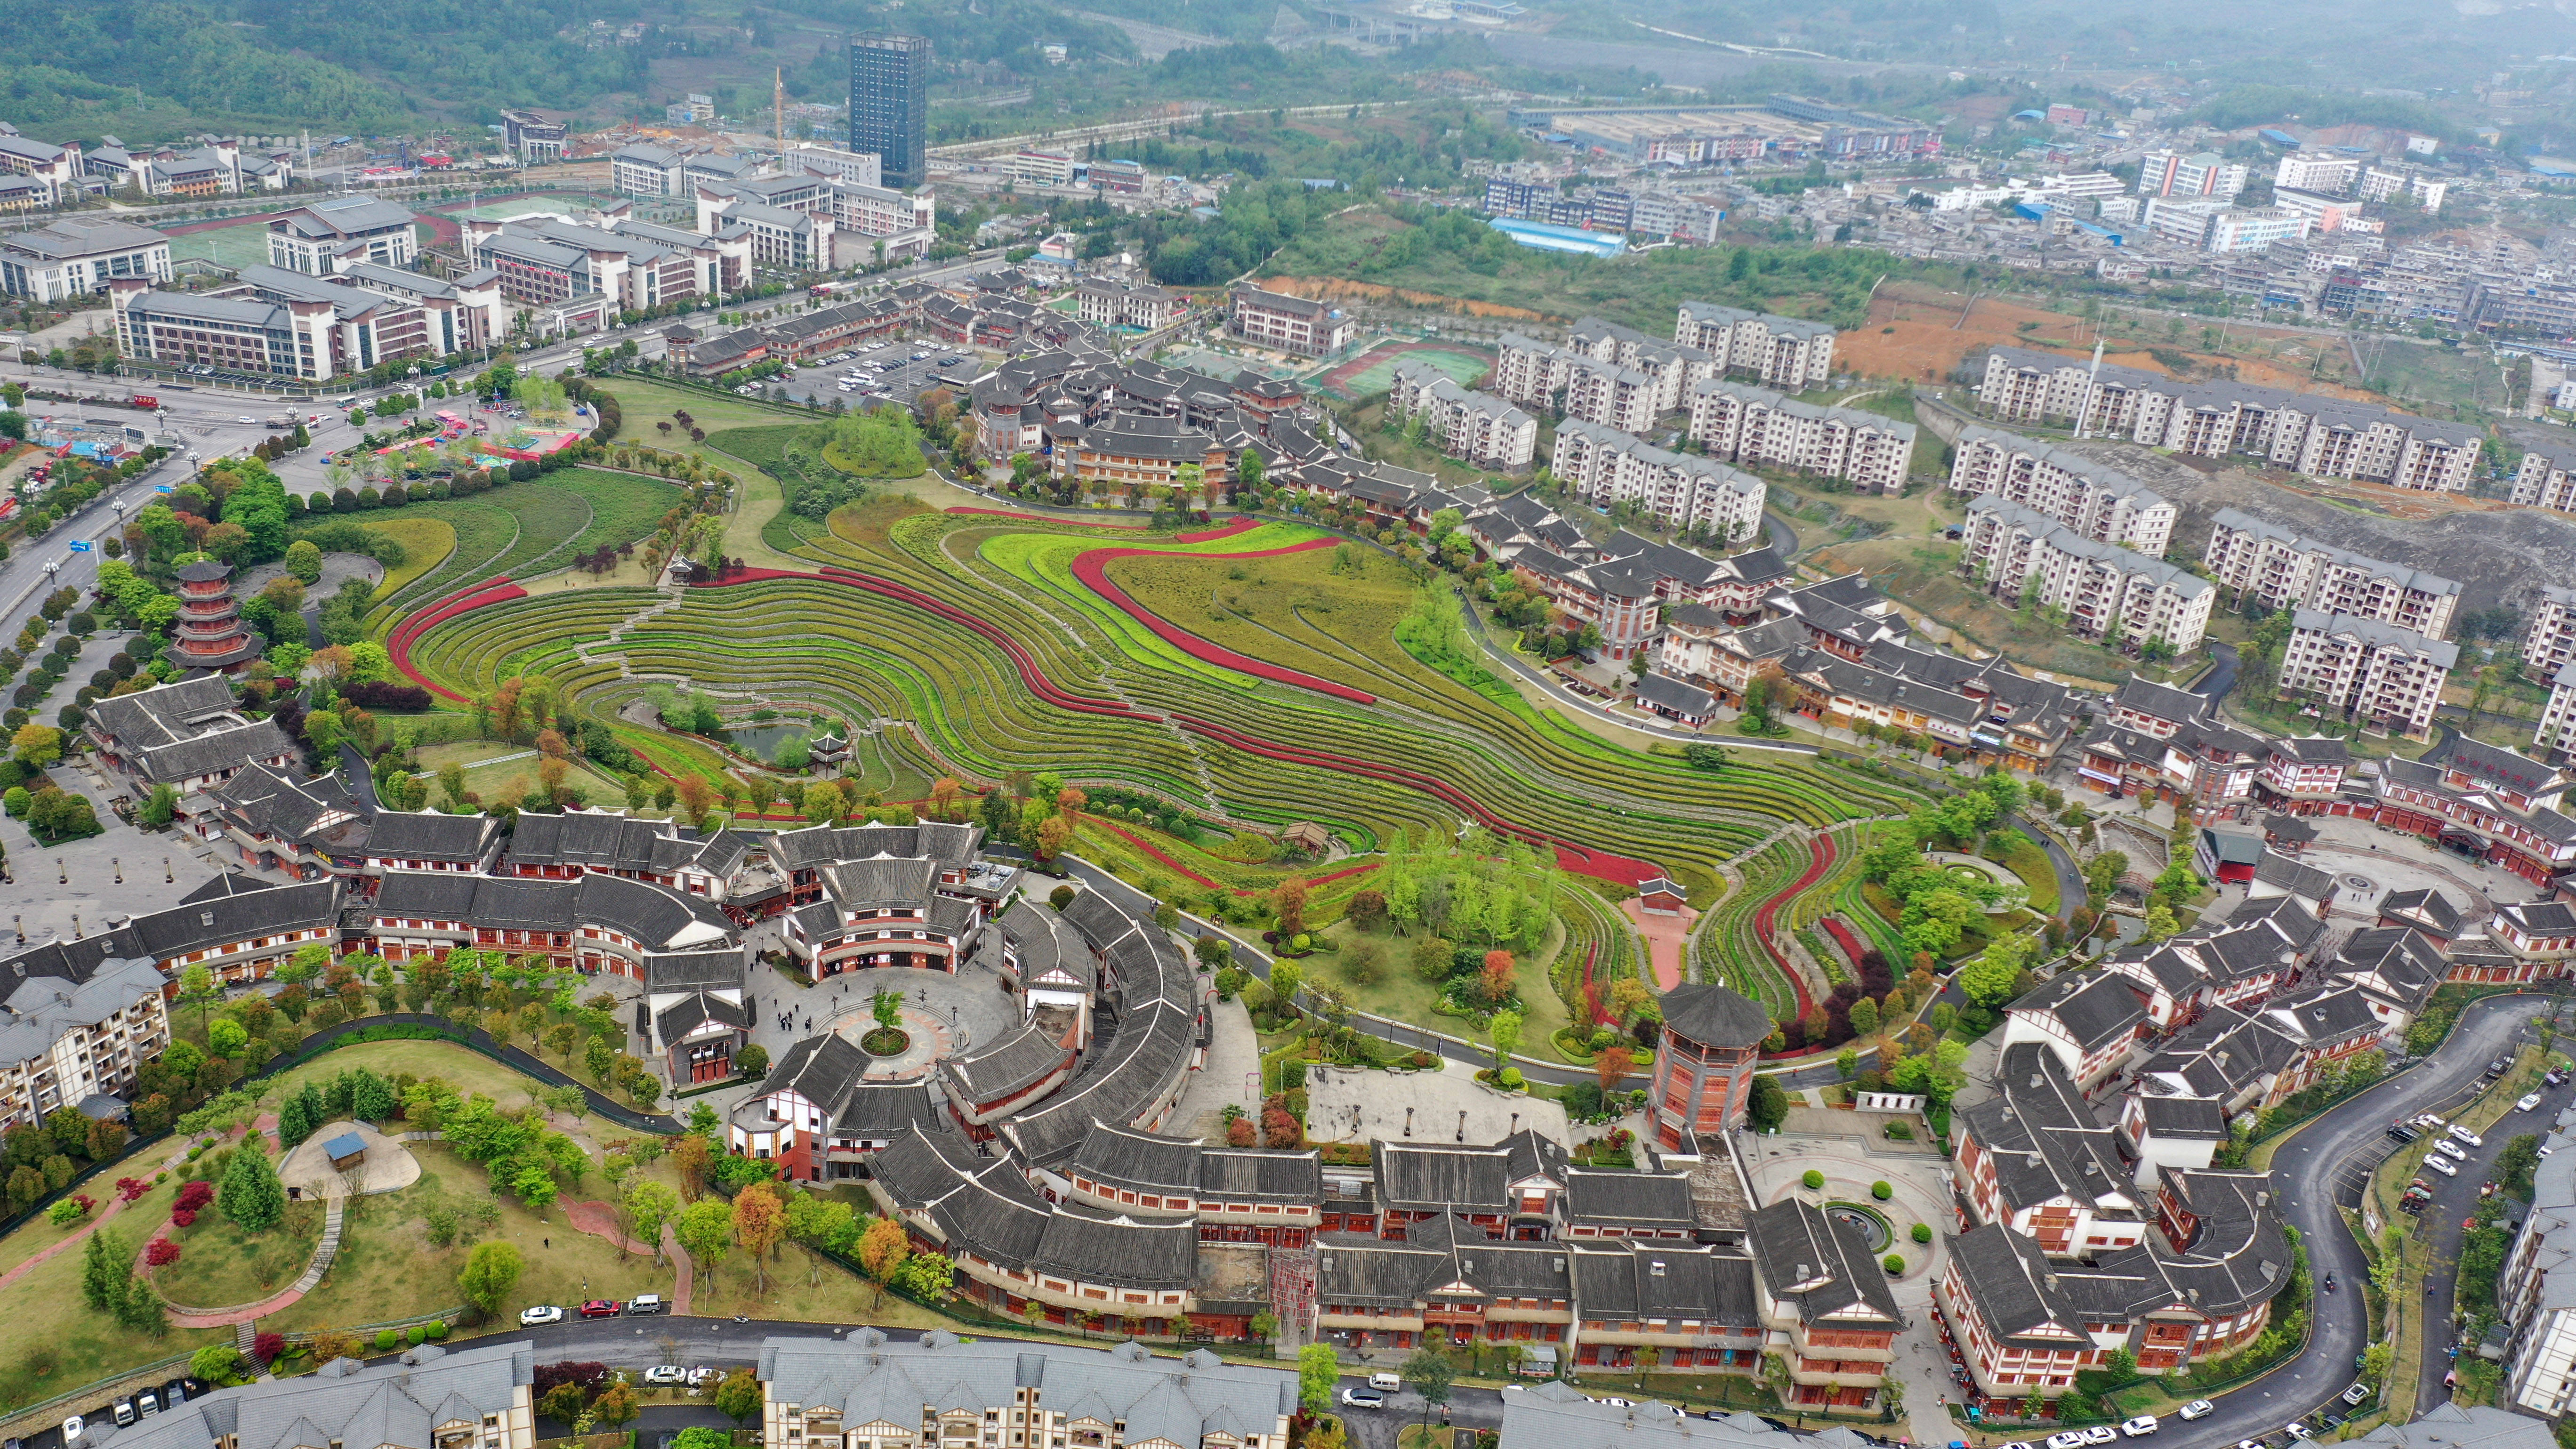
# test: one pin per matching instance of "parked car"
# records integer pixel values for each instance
(2450, 1149)
(2099, 1434)
(2140, 1427)
(645, 1304)
(2403, 1133)
(2463, 1134)
(2299, 1429)
(2527, 1103)
(666, 1373)
(2071, 1439)
(704, 1374)
(2197, 1408)
(147, 1402)
(602, 1308)
(2358, 1392)
(1363, 1399)
(543, 1313)
(72, 1429)
(2442, 1165)
(1618, 1403)
(2499, 1066)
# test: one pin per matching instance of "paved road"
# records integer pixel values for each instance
(1783, 538)
(2334, 1152)
(2070, 881)
(2214, 685)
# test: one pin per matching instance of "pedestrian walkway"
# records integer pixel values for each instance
(600, 1221)
(115, 1206)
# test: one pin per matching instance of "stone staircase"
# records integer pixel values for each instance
(673, 596)
(322, 1251)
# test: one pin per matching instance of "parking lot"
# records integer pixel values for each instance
(897, 371)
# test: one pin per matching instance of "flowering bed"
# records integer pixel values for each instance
(471, 597)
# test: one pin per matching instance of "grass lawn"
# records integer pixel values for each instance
(463, 1067)
(221, 1265)
(433, 758)
(511, 779)
(77, 1345)
(1400, 995)
(2031, 864)
(427, 542)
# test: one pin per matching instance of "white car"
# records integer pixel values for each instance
(2358, 1392)
(2463, 1134)
(704, 1374)
(2099, 1434)
(2527, 1103)
(1363, 1399)
(541, 1314)
(2197, 1408)
(246, 418)
(2451, 1150)
(666, 1373)
(2298, 1429)
(2140, 1427)
(2441, 1164)
(2071, 1439)
(72, 1429)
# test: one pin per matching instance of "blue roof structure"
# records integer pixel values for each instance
(2280, 138)
(1547, 238)
(347, 1144)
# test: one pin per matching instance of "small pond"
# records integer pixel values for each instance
(763, 741)
(1873, 1227)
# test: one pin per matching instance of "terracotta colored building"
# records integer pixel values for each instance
(1704, 1073)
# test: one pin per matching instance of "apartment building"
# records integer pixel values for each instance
(2374, 672)
(1292, 324)
(77, 256)
(1676, 368)
(477, 1397)
(1043, 168)
(1143, 306)
(2303, 432)
(2286, 571)
(2554, 737)
(239, 334)
(2546, 478)
(75, 1024)
(2316, 171)
(860, 168)
(2549, 640)
(820, 1393)
(2184, 220)
(2540, 1314)
(635, 266)
(1743, 423)
(1610, 395)
(2166, 172)
(895, 225)
(314, 237)
(1681, 490)
(2105, 591)
(2255, 228)
(2096, 501)
(50, 170)
(1473, 427)
(1786, 352)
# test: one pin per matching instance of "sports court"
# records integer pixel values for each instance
(1373, 371)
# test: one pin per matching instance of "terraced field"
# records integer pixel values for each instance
(1250, 674)
(523, 529)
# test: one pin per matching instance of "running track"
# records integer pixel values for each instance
(1600, 864)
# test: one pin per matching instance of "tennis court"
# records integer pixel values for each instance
(1373, 371)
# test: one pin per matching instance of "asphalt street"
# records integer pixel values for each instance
(2336, 1153)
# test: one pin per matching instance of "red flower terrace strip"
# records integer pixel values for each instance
(1148, 848)
(471, 597)
(1092, 567)
(1820, 858)
(1602, 865)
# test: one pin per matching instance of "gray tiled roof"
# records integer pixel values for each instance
(394, 1404)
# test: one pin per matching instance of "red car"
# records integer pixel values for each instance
(602, 1308)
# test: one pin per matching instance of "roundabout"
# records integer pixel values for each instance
(1972, 871)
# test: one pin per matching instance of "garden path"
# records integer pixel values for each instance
(323, 1252)
(179, 1155)
(600, 1221)
(1667, 939)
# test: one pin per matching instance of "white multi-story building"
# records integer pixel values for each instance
(2184, 220)
(1744, 423)
(2252, 228)
(1105, 303)
(2547, 476)
(1787, 352)
(1473, 427)
(77, 255)
(892, 225)
(2204, 173)
(1611, 395)
(860, 168)
(2098, 502)
(2105, 591)
(74, 1024)
(1292, 324)
(2555, 736)
(2549, 640)
(1042, 168)
(1676, 368)
(53, 169)
(2304, 432)
(2370, 670)
(2315, 171)
(362, 228)
(2287, 571)
(2540, 1314)
(2379, 184)
(1608, 466)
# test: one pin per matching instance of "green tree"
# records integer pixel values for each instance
(1506, 1029)
(1769, 1106)
(1430, 1373)
(251, 1195)
(649, 1205)
(738, 1397)
(490, 1272)
(705, 1229)
(216, 1363)
(1319, 1372)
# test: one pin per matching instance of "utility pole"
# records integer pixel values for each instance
(2092, 389)
(778, 109)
